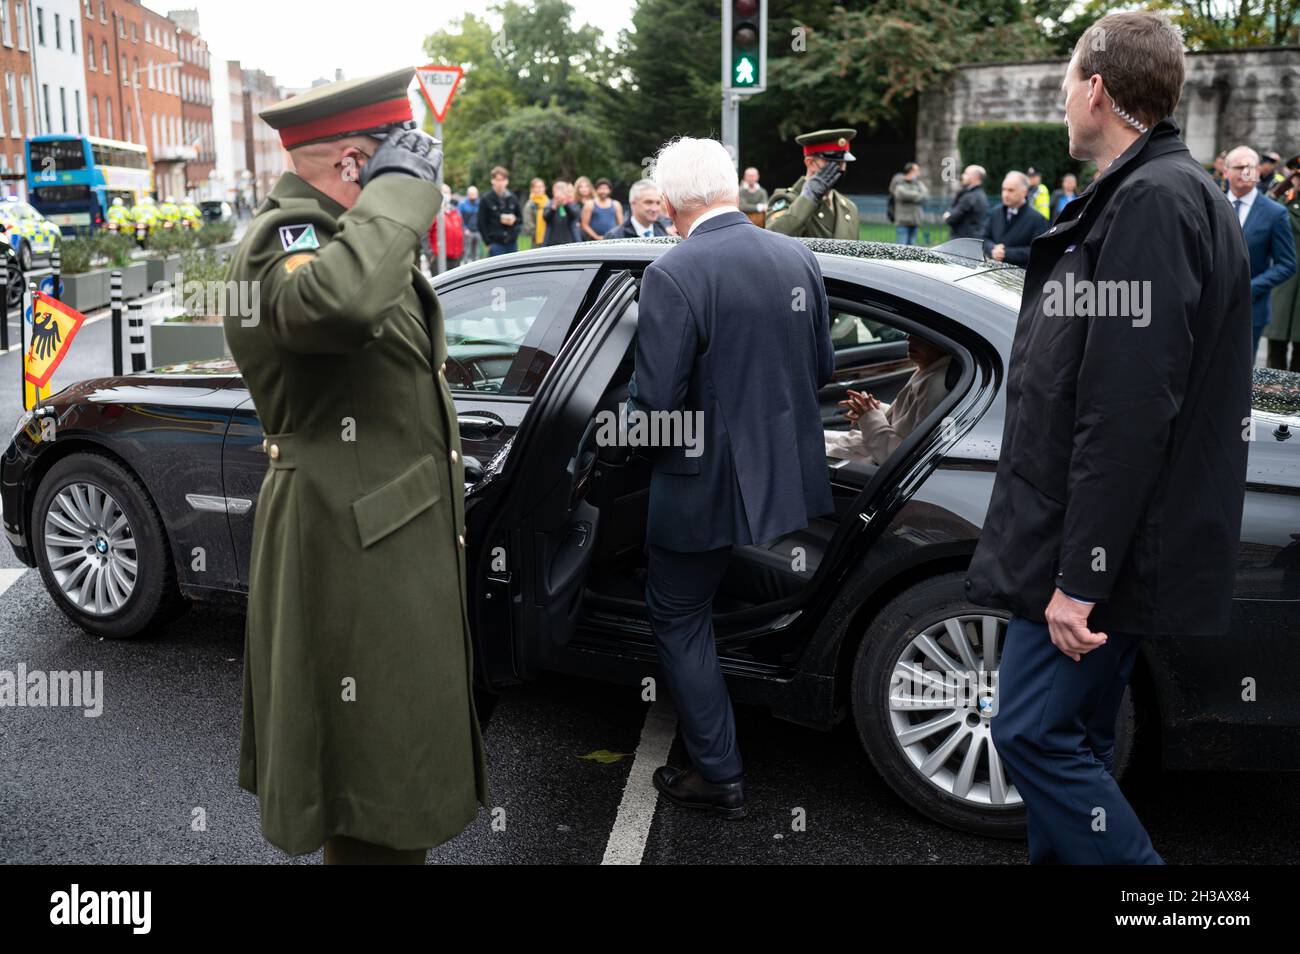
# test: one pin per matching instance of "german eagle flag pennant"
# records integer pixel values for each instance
(54, 325)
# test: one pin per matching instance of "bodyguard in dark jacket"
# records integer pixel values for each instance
(1013, 224)
(1117, 507)
(968, 215)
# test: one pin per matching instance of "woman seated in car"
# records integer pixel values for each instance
(878, 428)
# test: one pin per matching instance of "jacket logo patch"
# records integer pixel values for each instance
(295, 237)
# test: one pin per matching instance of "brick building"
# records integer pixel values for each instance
(18, 115)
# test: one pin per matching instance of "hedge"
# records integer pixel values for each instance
(1002, 146)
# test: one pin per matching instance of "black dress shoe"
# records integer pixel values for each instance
(687, 788)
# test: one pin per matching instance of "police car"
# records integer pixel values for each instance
(27, 231)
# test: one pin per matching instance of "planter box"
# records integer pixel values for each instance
(178, 342)
(86, 291)
(135, 280)
(161, 270)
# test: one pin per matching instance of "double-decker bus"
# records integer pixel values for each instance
(72, 180)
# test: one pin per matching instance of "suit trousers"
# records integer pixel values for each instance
(1055, 732)
(679, 595)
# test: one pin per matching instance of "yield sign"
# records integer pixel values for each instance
(438, 84)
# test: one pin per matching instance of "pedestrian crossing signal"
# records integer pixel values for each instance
(745, 44)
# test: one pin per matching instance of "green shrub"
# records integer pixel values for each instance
(216, 233)
(114, 250)
(167, 242)
(1002, 146)
(199, 265)
(78, 255)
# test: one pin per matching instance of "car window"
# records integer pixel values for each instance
(850, 331)
(491, 327)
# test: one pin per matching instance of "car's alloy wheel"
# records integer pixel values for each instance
(90, 548)
(941, 703)
(102, 548)
(926, 723)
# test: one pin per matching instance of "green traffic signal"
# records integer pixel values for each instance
(744, 73)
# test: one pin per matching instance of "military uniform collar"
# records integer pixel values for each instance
(293, 186)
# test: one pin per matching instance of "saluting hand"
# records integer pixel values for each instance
(411, 152)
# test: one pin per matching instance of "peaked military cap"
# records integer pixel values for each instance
(370, 106)
(832, 144)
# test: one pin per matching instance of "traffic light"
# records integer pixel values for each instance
(745, 35)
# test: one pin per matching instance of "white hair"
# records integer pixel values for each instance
(694, 173)
(639, 188)
(1242, 151)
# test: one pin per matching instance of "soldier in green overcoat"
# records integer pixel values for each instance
(359, 729)
(811, 208)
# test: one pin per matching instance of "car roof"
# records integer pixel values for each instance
(959, 263)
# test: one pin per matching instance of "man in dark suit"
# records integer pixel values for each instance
(1116, 512)
(730, 306)
(1013, 224)
(1268, 236)
(968, 216)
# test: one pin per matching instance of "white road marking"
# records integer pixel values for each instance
(637, 809)
(9, 577)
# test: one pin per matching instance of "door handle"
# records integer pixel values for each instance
(478, 427)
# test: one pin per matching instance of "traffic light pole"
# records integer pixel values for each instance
(744, 64)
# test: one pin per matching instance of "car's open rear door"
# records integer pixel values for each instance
(540, 542)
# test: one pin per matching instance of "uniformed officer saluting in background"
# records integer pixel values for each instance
(359, 729)
(811, 208)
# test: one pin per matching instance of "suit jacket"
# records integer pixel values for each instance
(1024, 228)
(628, 228)
(1122, 468)
(734, 327)
(968, 216)
(1272, 253)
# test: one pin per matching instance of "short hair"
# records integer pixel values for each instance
(499, 171)
(602, 181)
(909, 166)
(1139, 57)
(1020, 177)
(1242, 150)
(979, 171)
(638, 189)
(693, 173)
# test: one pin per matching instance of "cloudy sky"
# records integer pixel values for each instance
(297, 42)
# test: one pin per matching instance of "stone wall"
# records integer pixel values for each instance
(1230, 97)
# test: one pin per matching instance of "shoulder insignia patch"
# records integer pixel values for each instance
(778, 205)
(295, 237)
(293, 261)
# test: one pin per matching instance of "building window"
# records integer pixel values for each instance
(135, 74)
(63, 107)
(155, 132)
(94, 114)
(28, 105)
(134, 36)
(72, 34)
(45, 105)
(76, 101)
(89, 7)
(40, 26)
(58, 32)
(149, 74)
(6, 26)
(11, 101)
(108, 115)
(128, 123)
(20, 21)
(103, 16)
(148, 32)
(90, 53)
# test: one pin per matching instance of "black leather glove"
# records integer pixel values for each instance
(411, 152)
(815, 187)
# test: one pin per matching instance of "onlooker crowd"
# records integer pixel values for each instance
(1264, 191)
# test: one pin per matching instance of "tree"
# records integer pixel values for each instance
(545, 141)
